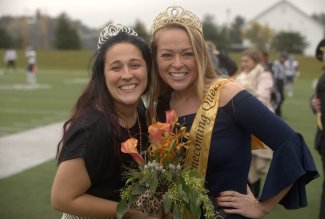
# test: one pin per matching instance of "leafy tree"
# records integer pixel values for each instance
(212, 33)
(140, 28)
(260, 36)
(236, 29)
(66, 36)
(6, 40)
(291, 42)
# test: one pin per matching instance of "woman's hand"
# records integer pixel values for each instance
(237, 203)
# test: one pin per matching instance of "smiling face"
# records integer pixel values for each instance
(125, 74)
(176, 61)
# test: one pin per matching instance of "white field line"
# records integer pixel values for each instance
(27, 149)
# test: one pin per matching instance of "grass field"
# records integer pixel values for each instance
(62, 76)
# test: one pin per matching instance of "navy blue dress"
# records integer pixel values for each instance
(230, 150)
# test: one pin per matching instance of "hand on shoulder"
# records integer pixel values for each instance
(228, 91)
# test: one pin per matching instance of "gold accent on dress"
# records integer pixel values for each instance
(176, 14)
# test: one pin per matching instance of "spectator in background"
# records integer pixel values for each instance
(30, 55)
(279, 76)
(256, 78)
(291, 71)
(266, 59)
(10, 58)
(319, 109)
(275, 95)
(223, 64)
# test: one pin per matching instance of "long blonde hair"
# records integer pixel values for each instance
(206, 72)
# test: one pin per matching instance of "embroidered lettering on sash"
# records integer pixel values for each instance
(202, 127)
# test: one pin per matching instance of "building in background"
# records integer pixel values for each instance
(285, 16)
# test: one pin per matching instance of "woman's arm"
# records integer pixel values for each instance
(69, 193)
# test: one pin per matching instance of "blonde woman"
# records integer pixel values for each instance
(221, 142)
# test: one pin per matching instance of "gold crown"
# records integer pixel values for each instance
(176, 14)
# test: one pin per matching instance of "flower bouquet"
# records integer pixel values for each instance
(162, 185)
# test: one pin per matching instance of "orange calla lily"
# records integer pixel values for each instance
(130, 147)
(157, 130)
(171, 118)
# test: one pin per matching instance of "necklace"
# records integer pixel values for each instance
(140, 135)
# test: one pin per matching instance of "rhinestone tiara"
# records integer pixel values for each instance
(112, 30)
(176, 14)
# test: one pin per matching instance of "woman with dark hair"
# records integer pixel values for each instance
(108, 112)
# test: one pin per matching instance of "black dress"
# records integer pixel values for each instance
(90, 139)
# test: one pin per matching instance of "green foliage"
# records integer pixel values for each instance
(140, 28)
(6, 40)
(66, 36)
(180, 189)
(235, 30)
(223, 36)
(291, 42)
(260, 35)
(211, 31)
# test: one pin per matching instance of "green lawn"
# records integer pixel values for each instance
(27, 194)
(23, 107)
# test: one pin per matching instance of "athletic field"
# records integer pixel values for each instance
(61, 77)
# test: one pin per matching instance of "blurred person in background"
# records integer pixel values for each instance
(256, 78)
(10, 58)
(223, 64)
(291, 71)
(30, 55)
(266, 59)
(319, 108)
(275, 94)
(278, 70)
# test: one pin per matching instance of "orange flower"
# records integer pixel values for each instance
(156, 131)
(171, 118)
(130, 147)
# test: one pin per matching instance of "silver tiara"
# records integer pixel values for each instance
(112, 30)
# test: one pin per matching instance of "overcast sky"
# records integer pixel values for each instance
(96, 13)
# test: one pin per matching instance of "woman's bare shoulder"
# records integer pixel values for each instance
(228, 91)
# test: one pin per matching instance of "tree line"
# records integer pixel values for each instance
(65, 34)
